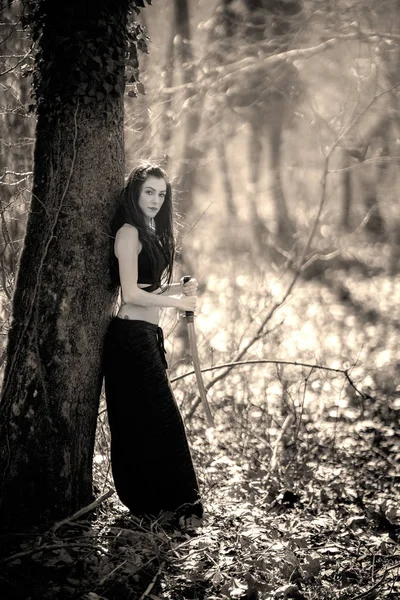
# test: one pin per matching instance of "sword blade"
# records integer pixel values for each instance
(197, 370)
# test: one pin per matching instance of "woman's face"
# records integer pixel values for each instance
(152, 196)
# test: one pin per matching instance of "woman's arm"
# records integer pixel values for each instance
(127, 250)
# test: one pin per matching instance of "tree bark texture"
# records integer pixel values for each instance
(63, 297)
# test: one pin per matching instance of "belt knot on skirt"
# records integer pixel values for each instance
(163, 352)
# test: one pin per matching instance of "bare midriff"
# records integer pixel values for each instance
(134, 312)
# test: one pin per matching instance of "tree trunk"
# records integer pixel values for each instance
(192, 110)
(375, 224)
(226, 177)
(346, 181)
(167, 120)
(284, 226)
(278, 21)
(63, 296)
(259, 230)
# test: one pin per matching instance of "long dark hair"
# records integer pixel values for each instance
(160, 242)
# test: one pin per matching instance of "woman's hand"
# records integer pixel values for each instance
(187, 303)
(189, 288)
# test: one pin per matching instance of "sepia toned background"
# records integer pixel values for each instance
(279, 124)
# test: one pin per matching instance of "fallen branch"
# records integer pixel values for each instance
(37, 549)
(152, 583)
(83, 510)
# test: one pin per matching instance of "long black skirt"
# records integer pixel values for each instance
(151, 462)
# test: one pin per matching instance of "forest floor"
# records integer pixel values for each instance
(300, 477)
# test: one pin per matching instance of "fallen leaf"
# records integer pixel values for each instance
(289, 591)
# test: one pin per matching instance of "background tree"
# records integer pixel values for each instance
(15, 153)
(192, 107)
(263, 99)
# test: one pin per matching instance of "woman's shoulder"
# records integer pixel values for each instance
(127, 238)
(127, 233)
(127, 227)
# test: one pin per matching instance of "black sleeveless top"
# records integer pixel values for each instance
(146, 274)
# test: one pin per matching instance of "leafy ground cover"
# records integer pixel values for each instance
(300, 477)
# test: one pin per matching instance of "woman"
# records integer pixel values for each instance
(151, 462)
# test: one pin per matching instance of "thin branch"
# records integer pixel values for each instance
(252, 63)
(111, 573)
(377, 584)
(369, 35)
(84, 510)
(17, 64)
(16, 173)
(36, 549)
(229, 366)
(196, 221)
(152, 582)
(14, 183)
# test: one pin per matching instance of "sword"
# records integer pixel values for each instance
(196, 362)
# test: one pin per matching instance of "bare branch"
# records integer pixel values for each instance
(28, 173)
(229, 366)
(84, 510)
(17, 64)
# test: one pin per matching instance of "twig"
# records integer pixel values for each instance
(57, 546)
(17, 64)
(286, 424)
(16, 173)
(295, 363)
(83, 510)
(108, 575)
(152, 582)
(377, 584)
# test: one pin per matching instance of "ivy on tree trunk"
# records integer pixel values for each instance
(63, 297)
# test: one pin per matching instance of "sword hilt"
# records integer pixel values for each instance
(189, 314)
